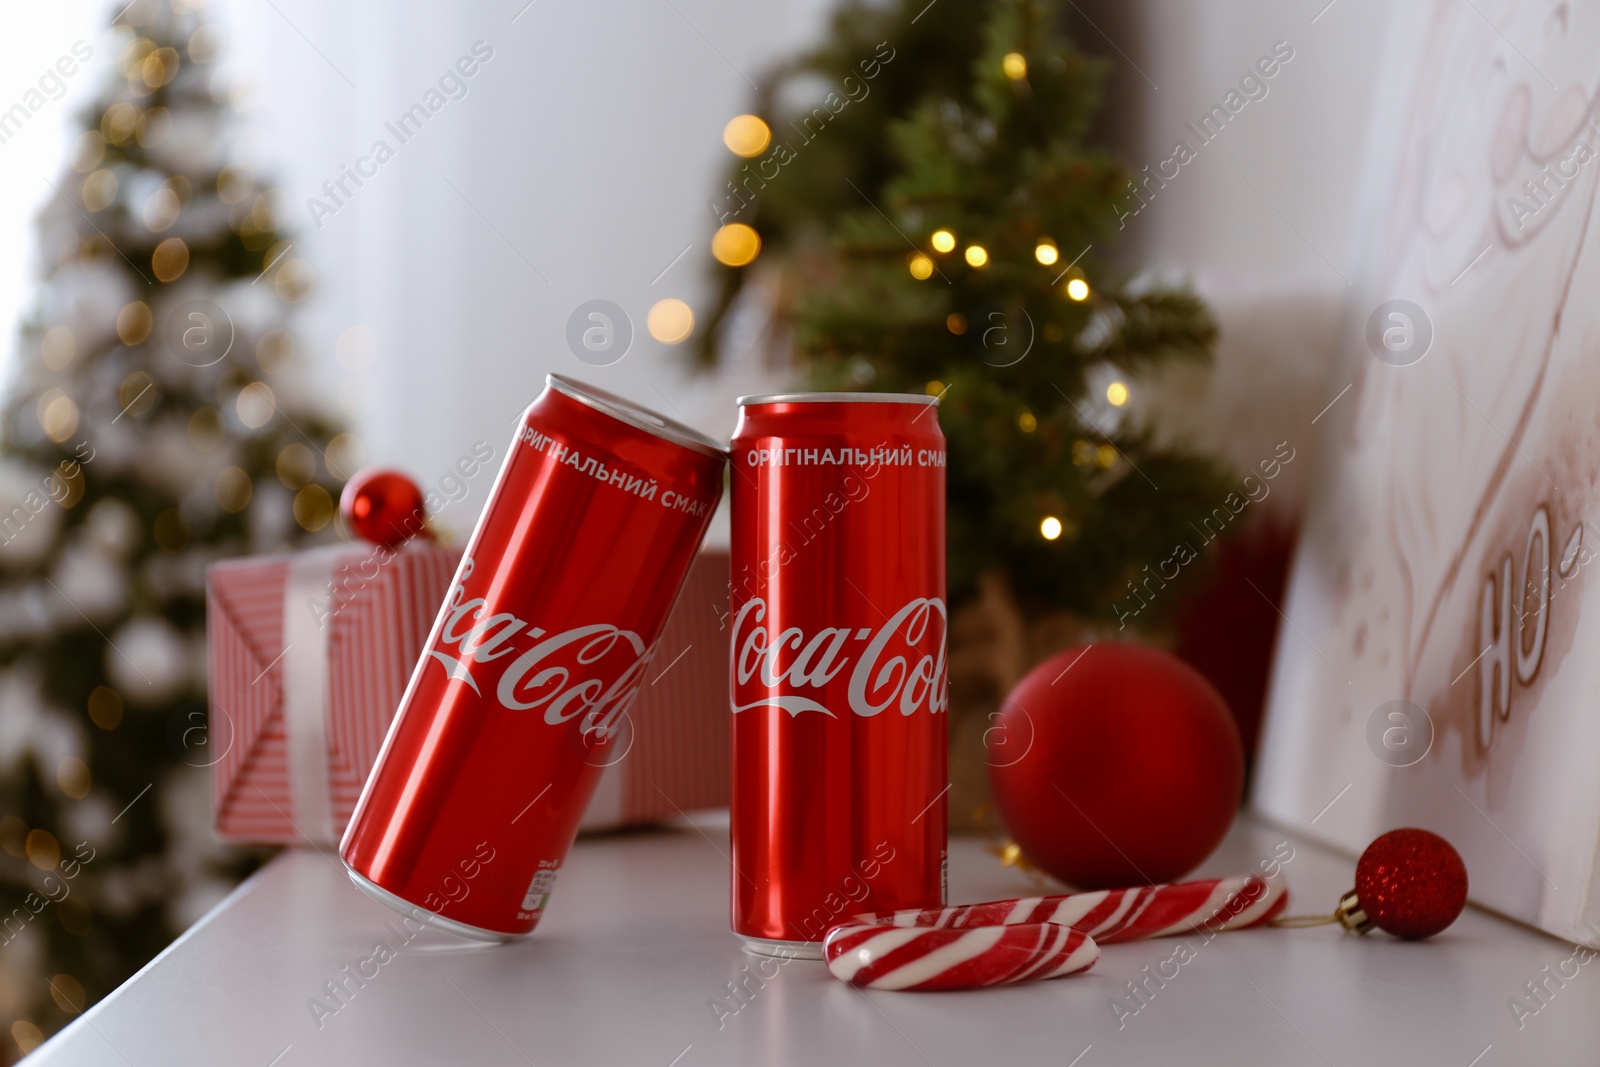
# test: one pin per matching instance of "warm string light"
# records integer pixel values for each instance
(1050, 528)
(314, 508)
(256, 404)
(66, 990)
(1045, 251)
(1015, 65)
(58, 347)
(746, 136)
(921, 267)
(1117, 394)
(736, 244)
(232, 489)
(1087, 454)
(170, 259)
(296, 466)
(57, 414)
(670, 321)
(99, 190)
(105, 707)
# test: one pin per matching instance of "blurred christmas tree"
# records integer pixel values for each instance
(159, 420)
(938, 223)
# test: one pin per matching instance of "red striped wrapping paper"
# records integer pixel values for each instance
(374, 633)
(679, 760)
(370, 645)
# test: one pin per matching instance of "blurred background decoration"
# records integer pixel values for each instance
(944, 224)
(964, 187)
(159, 419)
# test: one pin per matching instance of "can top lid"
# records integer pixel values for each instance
(839, 398)
(634, 415)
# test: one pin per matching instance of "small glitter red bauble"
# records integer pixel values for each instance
(382, 506)
(1411, 883)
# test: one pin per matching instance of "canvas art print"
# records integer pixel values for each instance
(1438, 665)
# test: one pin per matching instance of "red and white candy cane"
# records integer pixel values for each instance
(1008, 941)
(922, 958)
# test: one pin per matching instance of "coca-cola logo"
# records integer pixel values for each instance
(563, 675)
(900, 665)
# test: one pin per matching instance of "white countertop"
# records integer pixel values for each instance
(635, 952)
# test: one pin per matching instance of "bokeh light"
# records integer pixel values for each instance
(735, 244)
(670, 321)
(313, 508)
(256, 404)
(170, 259)
(72, 775)
(232, 489)
(105, 707)
(746, 135)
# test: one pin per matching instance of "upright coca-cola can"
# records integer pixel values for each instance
(838, 668)
(522, 695)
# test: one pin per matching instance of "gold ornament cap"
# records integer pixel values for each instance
(1351, 915)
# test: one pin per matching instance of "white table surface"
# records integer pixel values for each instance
(636, 948)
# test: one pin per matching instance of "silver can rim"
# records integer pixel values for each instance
(423, 915)
(838, 398)
(791, 950)
(635, 415)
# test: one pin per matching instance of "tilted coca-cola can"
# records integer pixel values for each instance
(838, 668)
(522, 695)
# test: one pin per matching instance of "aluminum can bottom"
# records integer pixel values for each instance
(783, 950)
(426, 917)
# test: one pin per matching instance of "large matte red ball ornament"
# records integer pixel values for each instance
(1115, 765)
(382, 506)
(1411, 883)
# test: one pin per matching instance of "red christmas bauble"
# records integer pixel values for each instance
(1115, 765)
(1411, 883)
(382, 506)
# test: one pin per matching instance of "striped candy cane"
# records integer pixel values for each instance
(923, 958)
(1008, 941)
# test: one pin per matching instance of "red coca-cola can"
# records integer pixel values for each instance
(838, 668)
(522, 695)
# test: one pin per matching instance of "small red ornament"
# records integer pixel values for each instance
(383, 506)
(1409, 882)
(1115, 765)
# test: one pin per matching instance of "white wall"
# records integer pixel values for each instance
(1267, 219)
(589, 143)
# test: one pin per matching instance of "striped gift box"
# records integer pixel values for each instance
(350, 621)
(310, 654)
(679, 759)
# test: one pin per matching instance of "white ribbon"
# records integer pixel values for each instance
(305, 691)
